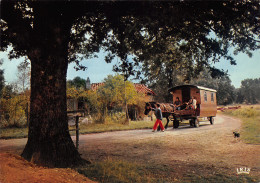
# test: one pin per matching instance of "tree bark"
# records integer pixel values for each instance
(49, 142)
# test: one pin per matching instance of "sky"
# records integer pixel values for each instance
(98, 69)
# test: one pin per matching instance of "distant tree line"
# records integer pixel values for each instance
(161, 81)
(77, 82)
(249, 91)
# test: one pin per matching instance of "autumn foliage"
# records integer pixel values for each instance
(14, 109)
(109, 101)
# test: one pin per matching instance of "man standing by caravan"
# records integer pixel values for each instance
(158, 114)
(194, 103)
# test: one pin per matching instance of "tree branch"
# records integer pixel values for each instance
(19, 28)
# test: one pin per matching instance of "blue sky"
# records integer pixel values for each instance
(98, 69)
(246, 68)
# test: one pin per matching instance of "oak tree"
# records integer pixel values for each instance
(249, 91)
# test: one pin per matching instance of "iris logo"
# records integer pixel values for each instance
(243, 170)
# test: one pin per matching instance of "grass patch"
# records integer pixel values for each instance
(218, 178)
(92, 128)
(115, 171)
(251, 130)
(11, 133)
(109, 127)
(250, 116)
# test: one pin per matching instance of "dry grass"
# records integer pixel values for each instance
(111, 170)
(115, 171)
(11, 133)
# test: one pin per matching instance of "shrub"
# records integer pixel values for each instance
(118, 117)
(13, 111)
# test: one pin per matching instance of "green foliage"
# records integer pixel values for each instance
(109, 100)
(88, 97)
(13, 106)
(249, 92)
(187, 34)
(116, 94)
(77, 82)
(115, 91)
(13, 110)
(226, 93)
(161, 82)
(76, 93)
(118, 118)
(111, 93)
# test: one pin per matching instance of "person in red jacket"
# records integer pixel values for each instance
(158, 114)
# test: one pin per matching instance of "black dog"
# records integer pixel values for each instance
(236, 134)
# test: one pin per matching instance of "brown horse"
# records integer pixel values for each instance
(167, 110)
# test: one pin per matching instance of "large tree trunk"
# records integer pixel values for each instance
(49, 142)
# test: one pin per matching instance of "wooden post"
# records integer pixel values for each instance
(27, 114)
(77, 132)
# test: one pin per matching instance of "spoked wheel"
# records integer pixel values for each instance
(211, 120)
(196, 122)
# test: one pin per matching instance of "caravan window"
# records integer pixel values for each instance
(205, 96)
(212, 97)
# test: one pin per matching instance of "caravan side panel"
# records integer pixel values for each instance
(208, 106)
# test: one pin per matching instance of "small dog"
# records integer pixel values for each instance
(236, 134)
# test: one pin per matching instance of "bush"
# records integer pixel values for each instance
(13, 111)
(14, 123)
(118, 117)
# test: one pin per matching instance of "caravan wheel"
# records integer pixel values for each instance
(196, 122)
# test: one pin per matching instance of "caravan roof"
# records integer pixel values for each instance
(192, 86)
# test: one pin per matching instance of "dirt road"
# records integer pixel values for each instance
(205, 150)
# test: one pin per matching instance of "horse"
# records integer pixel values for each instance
(167, 110)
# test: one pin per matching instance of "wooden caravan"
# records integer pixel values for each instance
(206, 104)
